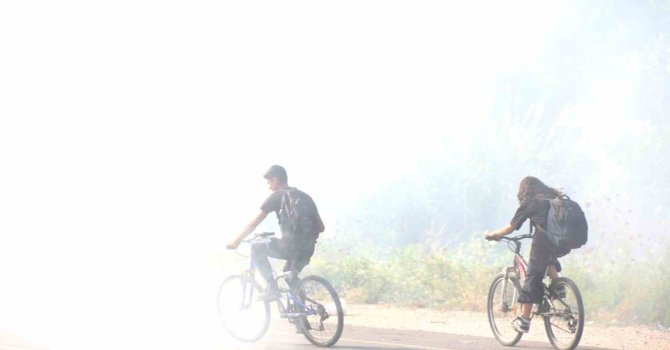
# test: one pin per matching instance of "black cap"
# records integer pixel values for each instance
(277, 171)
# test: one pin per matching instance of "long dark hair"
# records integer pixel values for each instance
(531, 186)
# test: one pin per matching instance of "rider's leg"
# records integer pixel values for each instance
(300, 259)
(260, 253)
(553, 269)
(553, 272)
(533, 290)
(293, 280)
(298, 262)
(526, 310)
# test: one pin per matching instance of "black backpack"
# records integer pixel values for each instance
(566, 224)
(298, 216)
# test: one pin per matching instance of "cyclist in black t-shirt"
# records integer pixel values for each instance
(534, 205)
(297, 251)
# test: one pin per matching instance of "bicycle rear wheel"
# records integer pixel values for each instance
(242, 316)
(502, 309)
(563, 313)
(323, 322)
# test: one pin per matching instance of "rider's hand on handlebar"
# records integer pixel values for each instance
(491, 237)
(233, 245)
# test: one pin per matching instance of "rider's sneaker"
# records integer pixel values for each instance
(521, 325)
(268, 295)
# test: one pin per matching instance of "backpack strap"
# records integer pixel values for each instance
(542, 197)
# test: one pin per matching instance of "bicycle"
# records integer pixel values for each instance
(562, 308)
(312, 305)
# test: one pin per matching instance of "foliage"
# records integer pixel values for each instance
(411, 275)
(615, 287)
(543, 122)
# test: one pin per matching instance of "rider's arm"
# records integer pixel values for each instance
(521, 214)
(248, 229)
(503, 231)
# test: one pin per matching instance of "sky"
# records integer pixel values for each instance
(134, 136)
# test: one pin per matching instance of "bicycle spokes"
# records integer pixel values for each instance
(502, 309)
(242, 316)
(563, 313)
(323, 315)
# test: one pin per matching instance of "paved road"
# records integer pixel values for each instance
(283, 337)
(364, 338)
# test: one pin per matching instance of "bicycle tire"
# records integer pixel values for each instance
(561, 303)
(502, 326)
(232, 319)
(323, 308)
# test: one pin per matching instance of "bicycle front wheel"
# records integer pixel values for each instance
(563, 313)
(323, 321)
(502, 309)
(242, 316)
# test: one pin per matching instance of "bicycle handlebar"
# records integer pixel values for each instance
(258, 236)
(514, 243)
(516, 238)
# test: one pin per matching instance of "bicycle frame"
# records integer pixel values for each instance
(248, 278)
(283, 309)
(305, 302)
(561, 306)
(517, 273)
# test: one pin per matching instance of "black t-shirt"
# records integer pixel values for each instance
(535, 209)
(273, 203)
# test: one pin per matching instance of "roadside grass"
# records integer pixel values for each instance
(413, 275)
(615, 287)
(621, 289)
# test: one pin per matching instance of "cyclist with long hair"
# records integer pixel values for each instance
(534, 198)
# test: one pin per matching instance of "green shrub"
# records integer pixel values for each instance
(613, 285)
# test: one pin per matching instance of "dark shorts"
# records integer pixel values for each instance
(297, 255)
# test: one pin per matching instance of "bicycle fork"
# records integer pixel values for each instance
(247, 290)
(511, 274)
